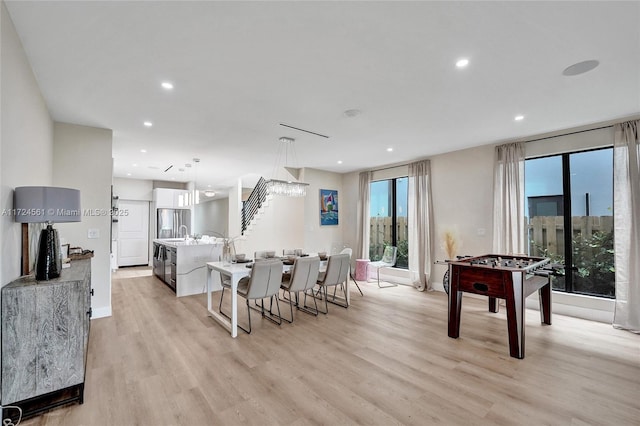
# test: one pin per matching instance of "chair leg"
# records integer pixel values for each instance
(323, 289)
(220, 305)
(385, 286)
(249, 316)
(344, 305)
(356, 283)
(271, 315)
(307, 309)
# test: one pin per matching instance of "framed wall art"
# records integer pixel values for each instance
(328, 207)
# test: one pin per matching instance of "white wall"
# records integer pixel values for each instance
(349, 211)
(133, 189)
(26, 140)
(82, 160)
(211, 216)
(462, 193)
(328, 238)
(280, 226)
(288, 223)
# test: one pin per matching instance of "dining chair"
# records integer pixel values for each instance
(292, 252)
(264, 254)
(349, 251)
(303, 278)
(336, 275)
(388, 260)
(264, 282)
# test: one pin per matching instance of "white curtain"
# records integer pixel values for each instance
(508, 199)
(364, 215)
(626, 207)
(420, 224)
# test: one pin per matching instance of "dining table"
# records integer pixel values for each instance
(235, 272)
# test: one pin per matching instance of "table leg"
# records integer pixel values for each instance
(515, 315)
(209, 288)
(455, 304)
(544, 296)
(234, 307)
(493, 306)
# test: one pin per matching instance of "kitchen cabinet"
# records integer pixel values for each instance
(182, 264)
(169, 198)
(45, 337)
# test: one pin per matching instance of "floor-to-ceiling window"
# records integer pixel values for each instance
(389, 224)
(570, 218)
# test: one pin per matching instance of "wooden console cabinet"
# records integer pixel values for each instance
(45, 336)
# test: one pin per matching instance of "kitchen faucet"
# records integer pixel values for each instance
(186, 235)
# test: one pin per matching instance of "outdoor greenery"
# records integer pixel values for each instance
(593, 264)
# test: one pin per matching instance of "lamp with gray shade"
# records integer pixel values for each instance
(47, 204)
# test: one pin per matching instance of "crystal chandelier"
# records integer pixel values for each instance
(285, 187)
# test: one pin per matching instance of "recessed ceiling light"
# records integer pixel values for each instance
(148, 123)
(580, 68)
(389, 149)
(128, 174)
(173, 178)
(462, 63)
(143, 151)
(167, 85)
(519, 117)
(135, 164)
(339, 161)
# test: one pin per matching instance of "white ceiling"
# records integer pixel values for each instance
(242, 68)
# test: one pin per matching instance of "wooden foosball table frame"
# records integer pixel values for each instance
(511, 278)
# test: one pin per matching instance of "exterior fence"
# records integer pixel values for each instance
(547, 232)
(380, 234)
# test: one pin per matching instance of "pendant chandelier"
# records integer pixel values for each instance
(284, 186)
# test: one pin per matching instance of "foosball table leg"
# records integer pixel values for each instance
(493, 305)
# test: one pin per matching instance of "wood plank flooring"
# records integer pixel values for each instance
(387, 360)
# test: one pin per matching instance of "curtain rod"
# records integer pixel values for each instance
(570, 133)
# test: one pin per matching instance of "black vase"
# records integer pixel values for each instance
(48, 260)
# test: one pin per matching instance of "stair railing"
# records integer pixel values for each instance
(251, 206)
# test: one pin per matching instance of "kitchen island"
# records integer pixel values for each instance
(181, 264)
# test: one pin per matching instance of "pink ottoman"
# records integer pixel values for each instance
(361, 269)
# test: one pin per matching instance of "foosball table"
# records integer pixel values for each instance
(511, 278)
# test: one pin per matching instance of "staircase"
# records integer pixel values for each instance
(254, 205)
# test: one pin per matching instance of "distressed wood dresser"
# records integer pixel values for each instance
(45, 336)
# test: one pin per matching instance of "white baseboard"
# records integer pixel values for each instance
(101, 312)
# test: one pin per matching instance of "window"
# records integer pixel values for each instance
(573, 191)
(388, 222)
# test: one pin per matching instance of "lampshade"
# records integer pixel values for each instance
(47, 204)
(40, 204)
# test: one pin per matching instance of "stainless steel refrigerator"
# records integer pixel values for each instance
(172, 223)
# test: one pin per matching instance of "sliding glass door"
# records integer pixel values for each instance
(570, 218)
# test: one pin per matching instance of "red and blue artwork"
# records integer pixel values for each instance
(328, 207)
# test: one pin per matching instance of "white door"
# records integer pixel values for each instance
(133, 233)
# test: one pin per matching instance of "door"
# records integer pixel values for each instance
(133, 233)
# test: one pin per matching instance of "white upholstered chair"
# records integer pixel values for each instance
(303, 278)
(336, 274)
(264, 282)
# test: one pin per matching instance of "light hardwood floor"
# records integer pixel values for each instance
(386, 360)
